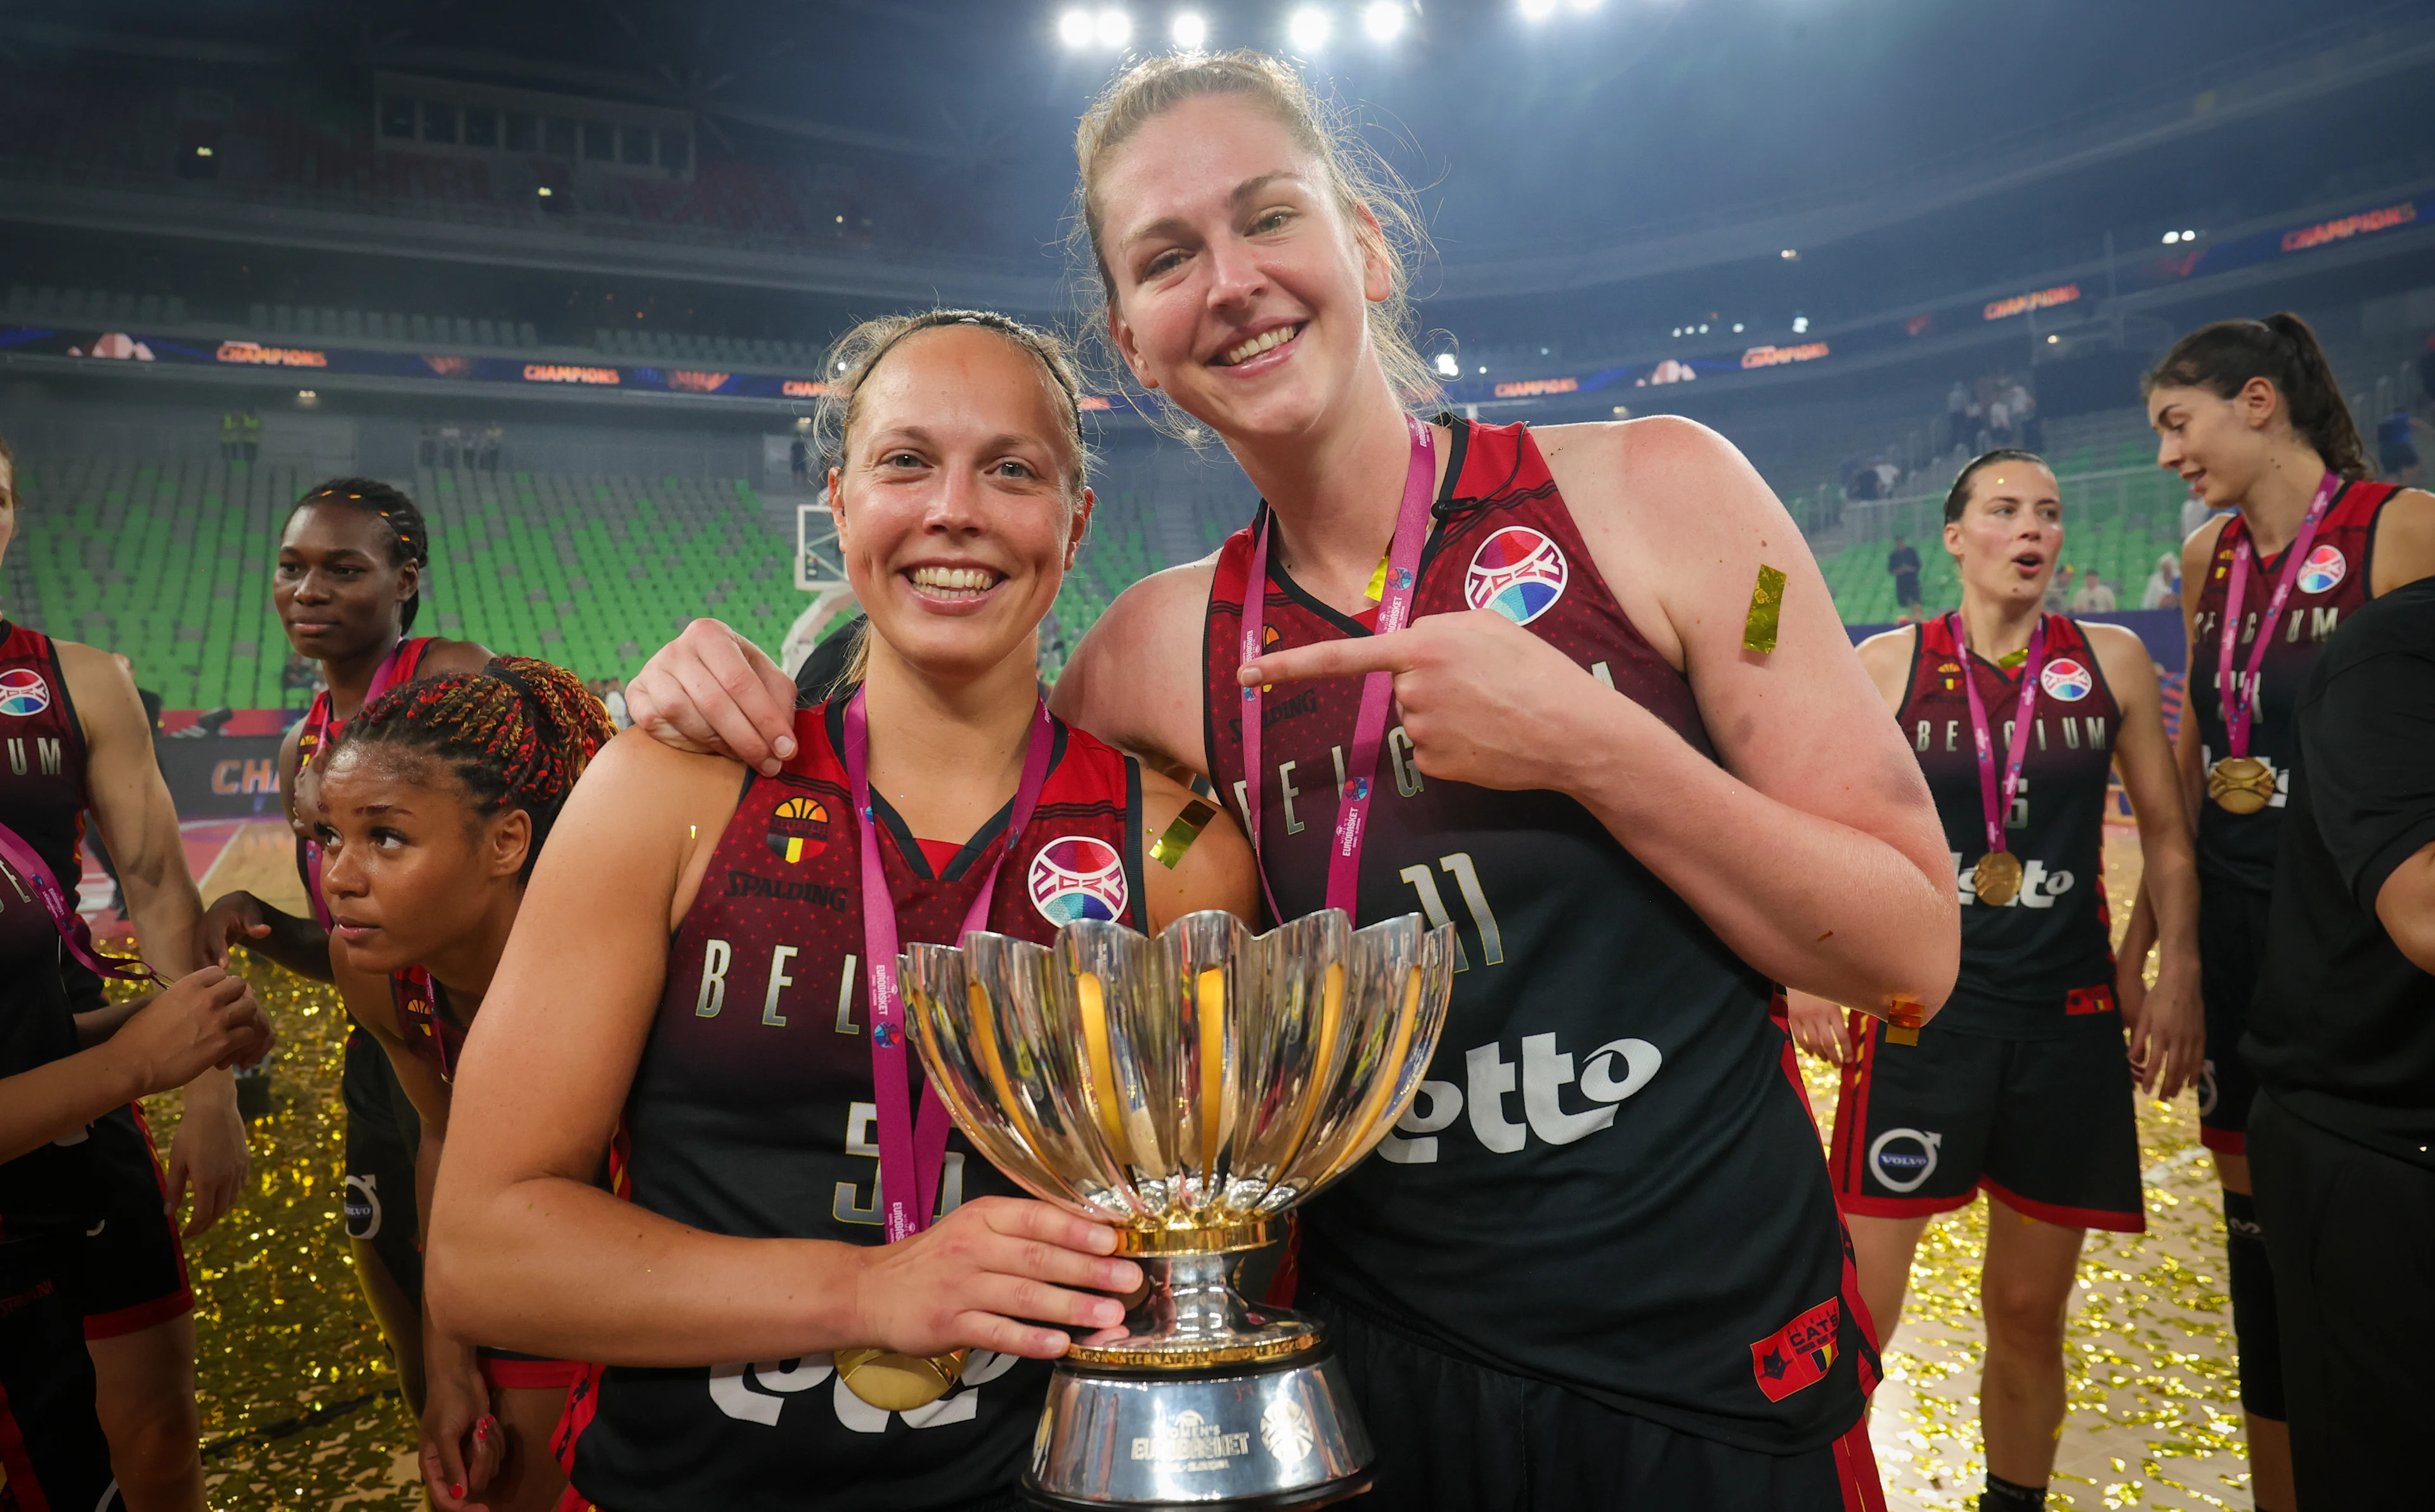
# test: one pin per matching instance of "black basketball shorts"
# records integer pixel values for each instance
(52, 1452)
(384, 1131)
(129, 1270)
(2231, 936)
(2049, 1126)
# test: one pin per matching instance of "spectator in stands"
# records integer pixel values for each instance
(2165, 583)
(251, 424)
(2024, 415)
(491, 436)
(452, 443)
(2195, 512)
(1957, 407)
(2094, 596)
(2341, 1035)
(1999, 422)
(232, 442)
(299, 680)
(799, 461)
(430, 449)
(1903, 562)
(1888, 475)
(2057, 597)
(2396, 448)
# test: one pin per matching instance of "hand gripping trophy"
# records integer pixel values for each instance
(1188, 1089)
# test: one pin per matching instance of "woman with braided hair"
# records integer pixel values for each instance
(429, 811)
(347, 586)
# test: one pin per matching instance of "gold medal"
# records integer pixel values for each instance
(2240, 784)
(1997, 878)
(899, 1383)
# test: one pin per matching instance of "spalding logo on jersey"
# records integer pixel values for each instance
(1075, 877)
(799, 828)
(23, 692)
(2067, 680)
(2325, 570)
(1516, 572)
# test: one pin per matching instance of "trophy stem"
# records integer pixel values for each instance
(1192, 1318)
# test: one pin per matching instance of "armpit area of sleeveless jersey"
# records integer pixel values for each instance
(42, 799)
(1610, 1179)
(752, 1114)
(2020, 963)
(2240, 847)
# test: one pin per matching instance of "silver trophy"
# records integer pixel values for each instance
(1188, 1089)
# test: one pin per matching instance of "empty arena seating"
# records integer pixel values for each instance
(91, 306)
(666, 346)
(388, 326)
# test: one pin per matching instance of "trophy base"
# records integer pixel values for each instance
(1285, 1436)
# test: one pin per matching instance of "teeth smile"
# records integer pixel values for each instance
(954, 579)
(1265, 342)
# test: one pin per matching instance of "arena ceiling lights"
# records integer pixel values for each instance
(1541, 9)
(1109, 27)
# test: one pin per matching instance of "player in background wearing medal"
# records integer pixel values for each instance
(2250, 415)
(431, 807)
(347, 586)
(703, 970)
(2021, 1087)
(93, 1213)
(1600, 1259)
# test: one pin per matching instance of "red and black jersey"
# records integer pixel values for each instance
(2240, 847)
(317, 729)
(2021, 963)
(1610, 1181)
(424, 1021)
(753, 1114)
(42, 799)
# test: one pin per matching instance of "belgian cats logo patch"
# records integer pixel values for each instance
(1077, 877)
(799, 830)
(1798, 1354)
(1518, 573)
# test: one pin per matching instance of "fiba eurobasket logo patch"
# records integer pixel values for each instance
(799, 830)
(1516, 572)
(23, 692)
(1077, 877)
(2325, 570)
(2067, 680)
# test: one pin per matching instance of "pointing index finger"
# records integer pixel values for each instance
(1348, 658)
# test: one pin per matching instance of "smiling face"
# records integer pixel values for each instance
(2218, 446)
(1241, 285)
(958, 502)
(408, 865)
(335, 592)
(2010, 533)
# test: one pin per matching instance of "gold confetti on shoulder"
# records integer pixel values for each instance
(1765, 612)
(1179, 832)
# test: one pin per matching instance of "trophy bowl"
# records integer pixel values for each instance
(1188, 1089)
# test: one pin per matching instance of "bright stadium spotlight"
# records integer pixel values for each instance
(1113, 28)
(1190, 30)
(1448, 366)
(1075, 28)
(2189, 235)
(1800, 325)
(1309, 29)
(1383, 20)
(1538, 10)
(1789, 255)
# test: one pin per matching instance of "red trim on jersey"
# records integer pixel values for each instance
(2223, 1140)
(532, 1375)
(18, 1480)
(1849, 1292)
(161, 1309)
(2120, 1222)
(2097, 999)
(582, 1403)
(1843, 1162)
(1863, 1206)
(1856, 1470)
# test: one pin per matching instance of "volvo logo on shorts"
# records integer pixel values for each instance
(1903, 1158)
(2325, 570)
(1518, 573)
(2206, 1090)
(363, 1206)
(1077, 877)
(799, 830)
(2067, 680)
(23, 691)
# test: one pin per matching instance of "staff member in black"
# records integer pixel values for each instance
(2341, 1139)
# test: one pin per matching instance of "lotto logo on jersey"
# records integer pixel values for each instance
(23, 691)
(1798, 1354)
(1078, 877)
(2325, 570)
(1518, 573)
(799, 828)
(2067, 680)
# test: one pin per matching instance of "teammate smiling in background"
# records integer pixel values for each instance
(2250, 415)
(2022, 1087)
(1638, 824)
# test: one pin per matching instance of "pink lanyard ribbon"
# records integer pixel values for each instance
(2239, 700)
(74, 931)
(1997, 806)
(910, 1158)
(1377, 688)
(383, 677)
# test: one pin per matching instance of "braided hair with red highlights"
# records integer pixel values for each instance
(516, 734)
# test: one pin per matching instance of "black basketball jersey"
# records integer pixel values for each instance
(43, 800)
(2240, 847)
(753, 1114)
(2027, 965)
(1611, 1180)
